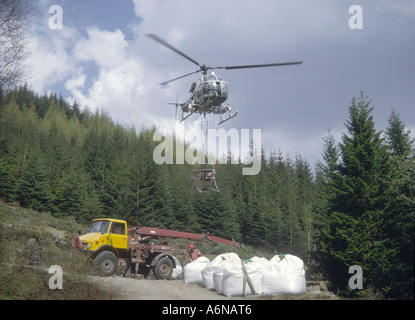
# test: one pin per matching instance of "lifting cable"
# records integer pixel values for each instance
(204, 128)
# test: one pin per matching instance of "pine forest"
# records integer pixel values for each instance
(356, 207)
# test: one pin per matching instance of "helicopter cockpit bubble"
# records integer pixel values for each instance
(208, 86)
(213, 88)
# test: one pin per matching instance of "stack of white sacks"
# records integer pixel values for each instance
(193, 270)
(214, 269)
(225, 274)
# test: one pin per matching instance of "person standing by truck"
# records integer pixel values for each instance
(194, 253)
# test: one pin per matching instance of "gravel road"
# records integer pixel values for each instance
(144, 289)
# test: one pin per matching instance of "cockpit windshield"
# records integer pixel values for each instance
(210, 85)
(99, 226)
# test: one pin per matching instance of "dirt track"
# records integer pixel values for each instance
(134, 289)
(145, 289)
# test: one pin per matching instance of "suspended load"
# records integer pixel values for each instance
(204, 180)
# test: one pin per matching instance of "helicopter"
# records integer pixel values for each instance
(210, 92)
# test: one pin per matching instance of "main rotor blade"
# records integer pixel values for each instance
(164, 43)
(168, 81)
(259, 65)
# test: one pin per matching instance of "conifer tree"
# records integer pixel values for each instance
(304, 189)
(8, 180)
(397, 278)
(324, 175)
(32, 191)
(398, 140)
(356, 204)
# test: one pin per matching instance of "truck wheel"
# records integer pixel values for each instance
(164, 268)
(106, 263)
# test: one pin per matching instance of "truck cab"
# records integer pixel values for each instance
(105, 233)
(107, 241)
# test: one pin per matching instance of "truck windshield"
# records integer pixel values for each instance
(99, 226)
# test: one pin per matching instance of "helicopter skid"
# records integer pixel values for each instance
(229, 118)
(186, 117)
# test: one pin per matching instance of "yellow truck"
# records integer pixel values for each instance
(111, 242)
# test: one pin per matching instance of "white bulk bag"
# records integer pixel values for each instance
(177, 271)
(192, 271)
(284, 275)
(207, 272)
(233, 277)
(217, 279)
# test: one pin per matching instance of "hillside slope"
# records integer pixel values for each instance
(30, 243)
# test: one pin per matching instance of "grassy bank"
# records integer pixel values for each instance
(30, 243)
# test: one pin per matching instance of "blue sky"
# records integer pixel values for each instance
(102, 59)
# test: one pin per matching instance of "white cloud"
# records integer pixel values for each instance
(51, 60)
(124, 86)
(105, 48)
(74, 83)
